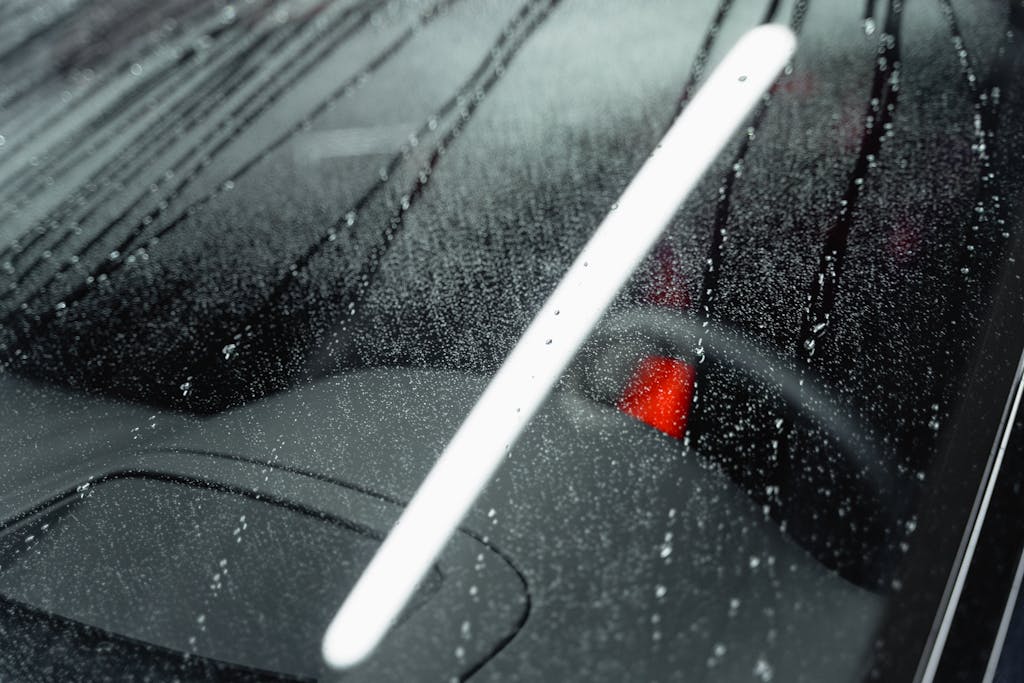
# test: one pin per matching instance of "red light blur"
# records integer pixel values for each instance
(660, 394)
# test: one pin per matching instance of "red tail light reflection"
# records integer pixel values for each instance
(660, 394)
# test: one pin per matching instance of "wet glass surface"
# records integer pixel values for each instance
(206, 205)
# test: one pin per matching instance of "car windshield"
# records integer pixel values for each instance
(259, 259)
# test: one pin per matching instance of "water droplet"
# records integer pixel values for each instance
(763, 670)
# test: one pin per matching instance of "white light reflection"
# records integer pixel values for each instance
(552, 340)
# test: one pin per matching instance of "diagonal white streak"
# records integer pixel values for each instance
(552, 340)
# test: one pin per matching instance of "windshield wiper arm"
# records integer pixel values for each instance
(552, 340)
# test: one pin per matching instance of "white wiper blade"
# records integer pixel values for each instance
(552, 340)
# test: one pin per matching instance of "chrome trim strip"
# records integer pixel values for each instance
(929, 663)
(1004, 623)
